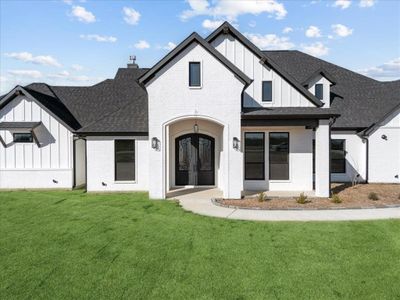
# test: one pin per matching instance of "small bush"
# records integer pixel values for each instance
(302, 199)
(261, 197)
(373, 196)
(336, 199)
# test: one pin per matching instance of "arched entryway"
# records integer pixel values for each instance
(194, 160)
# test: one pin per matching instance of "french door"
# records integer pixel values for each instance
(194, 160)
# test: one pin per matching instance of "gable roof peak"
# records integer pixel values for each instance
(194, 37)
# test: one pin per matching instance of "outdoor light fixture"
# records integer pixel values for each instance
(384, 137)
(235, 143)
(154, 143)
(196, 128)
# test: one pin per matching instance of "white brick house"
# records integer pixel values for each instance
(214, 112)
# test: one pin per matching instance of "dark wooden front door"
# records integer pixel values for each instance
(194, 160)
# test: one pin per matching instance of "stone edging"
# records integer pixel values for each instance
(215, 202)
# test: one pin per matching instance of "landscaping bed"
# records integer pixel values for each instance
(347, 196)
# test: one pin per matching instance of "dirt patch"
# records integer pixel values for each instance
(351, 197)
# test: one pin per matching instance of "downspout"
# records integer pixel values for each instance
(241, 143)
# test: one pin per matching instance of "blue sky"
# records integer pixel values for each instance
(80, 42)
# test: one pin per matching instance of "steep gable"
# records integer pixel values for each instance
(251, 60)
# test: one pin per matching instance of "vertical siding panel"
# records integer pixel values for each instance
(45, 151)
(54, 146)
(19, 156)
(64, 149)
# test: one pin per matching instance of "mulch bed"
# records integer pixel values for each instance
(351, 196)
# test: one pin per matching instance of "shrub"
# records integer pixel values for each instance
(398, 197)
(373, 196)
(336, 199)
(261, 197)
(302, 199)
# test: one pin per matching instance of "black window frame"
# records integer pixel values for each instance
(115, 161)
(245, 154)
(320, 97)
(263, 99)
(269, 155)
(190, 74)
(344, 158)
(16, 141)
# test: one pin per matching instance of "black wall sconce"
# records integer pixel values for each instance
(154, 143)
(236, 143)
(384, 137)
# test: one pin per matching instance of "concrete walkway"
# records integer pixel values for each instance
(199, 202)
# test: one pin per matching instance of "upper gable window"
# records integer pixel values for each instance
(319, 91)
(25, 137)
(194, 74)
(267, 91)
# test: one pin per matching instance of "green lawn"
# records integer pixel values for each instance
(76, 245)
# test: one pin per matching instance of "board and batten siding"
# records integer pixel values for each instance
(25, 165)
(384, 151)
(283, 93)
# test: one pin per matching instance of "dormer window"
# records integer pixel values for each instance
(319, 91)
(194, 74)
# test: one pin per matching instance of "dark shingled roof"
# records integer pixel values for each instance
(360, 100)
(113, 105)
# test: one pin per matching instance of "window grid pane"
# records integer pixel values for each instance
(254, 156)
(125, 160)
(267, 91)
(279, 156)
(194, 74)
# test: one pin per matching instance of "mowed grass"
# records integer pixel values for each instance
(73, 245)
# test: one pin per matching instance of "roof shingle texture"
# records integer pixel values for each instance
(358, 99)
(113, 105)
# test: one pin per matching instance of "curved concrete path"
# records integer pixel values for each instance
(199, 202)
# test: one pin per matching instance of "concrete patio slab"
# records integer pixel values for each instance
(199, 202)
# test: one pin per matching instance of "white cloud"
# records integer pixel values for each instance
(252, 24)
(82, 14)
(77, 67)
(211, 25)
(316, 49)
(313, 32)
(98, 38)
(287, 30)
(343, 4)
(131, 16)
(270, 41)
(230, 10)
(387, 71)
(3, 78)
(26, 73)
(341, 30)
(62, 74)
(66, 76)
(142, 44)
(46, 60)
(69, 2)
(366, 3)
(169, 46)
